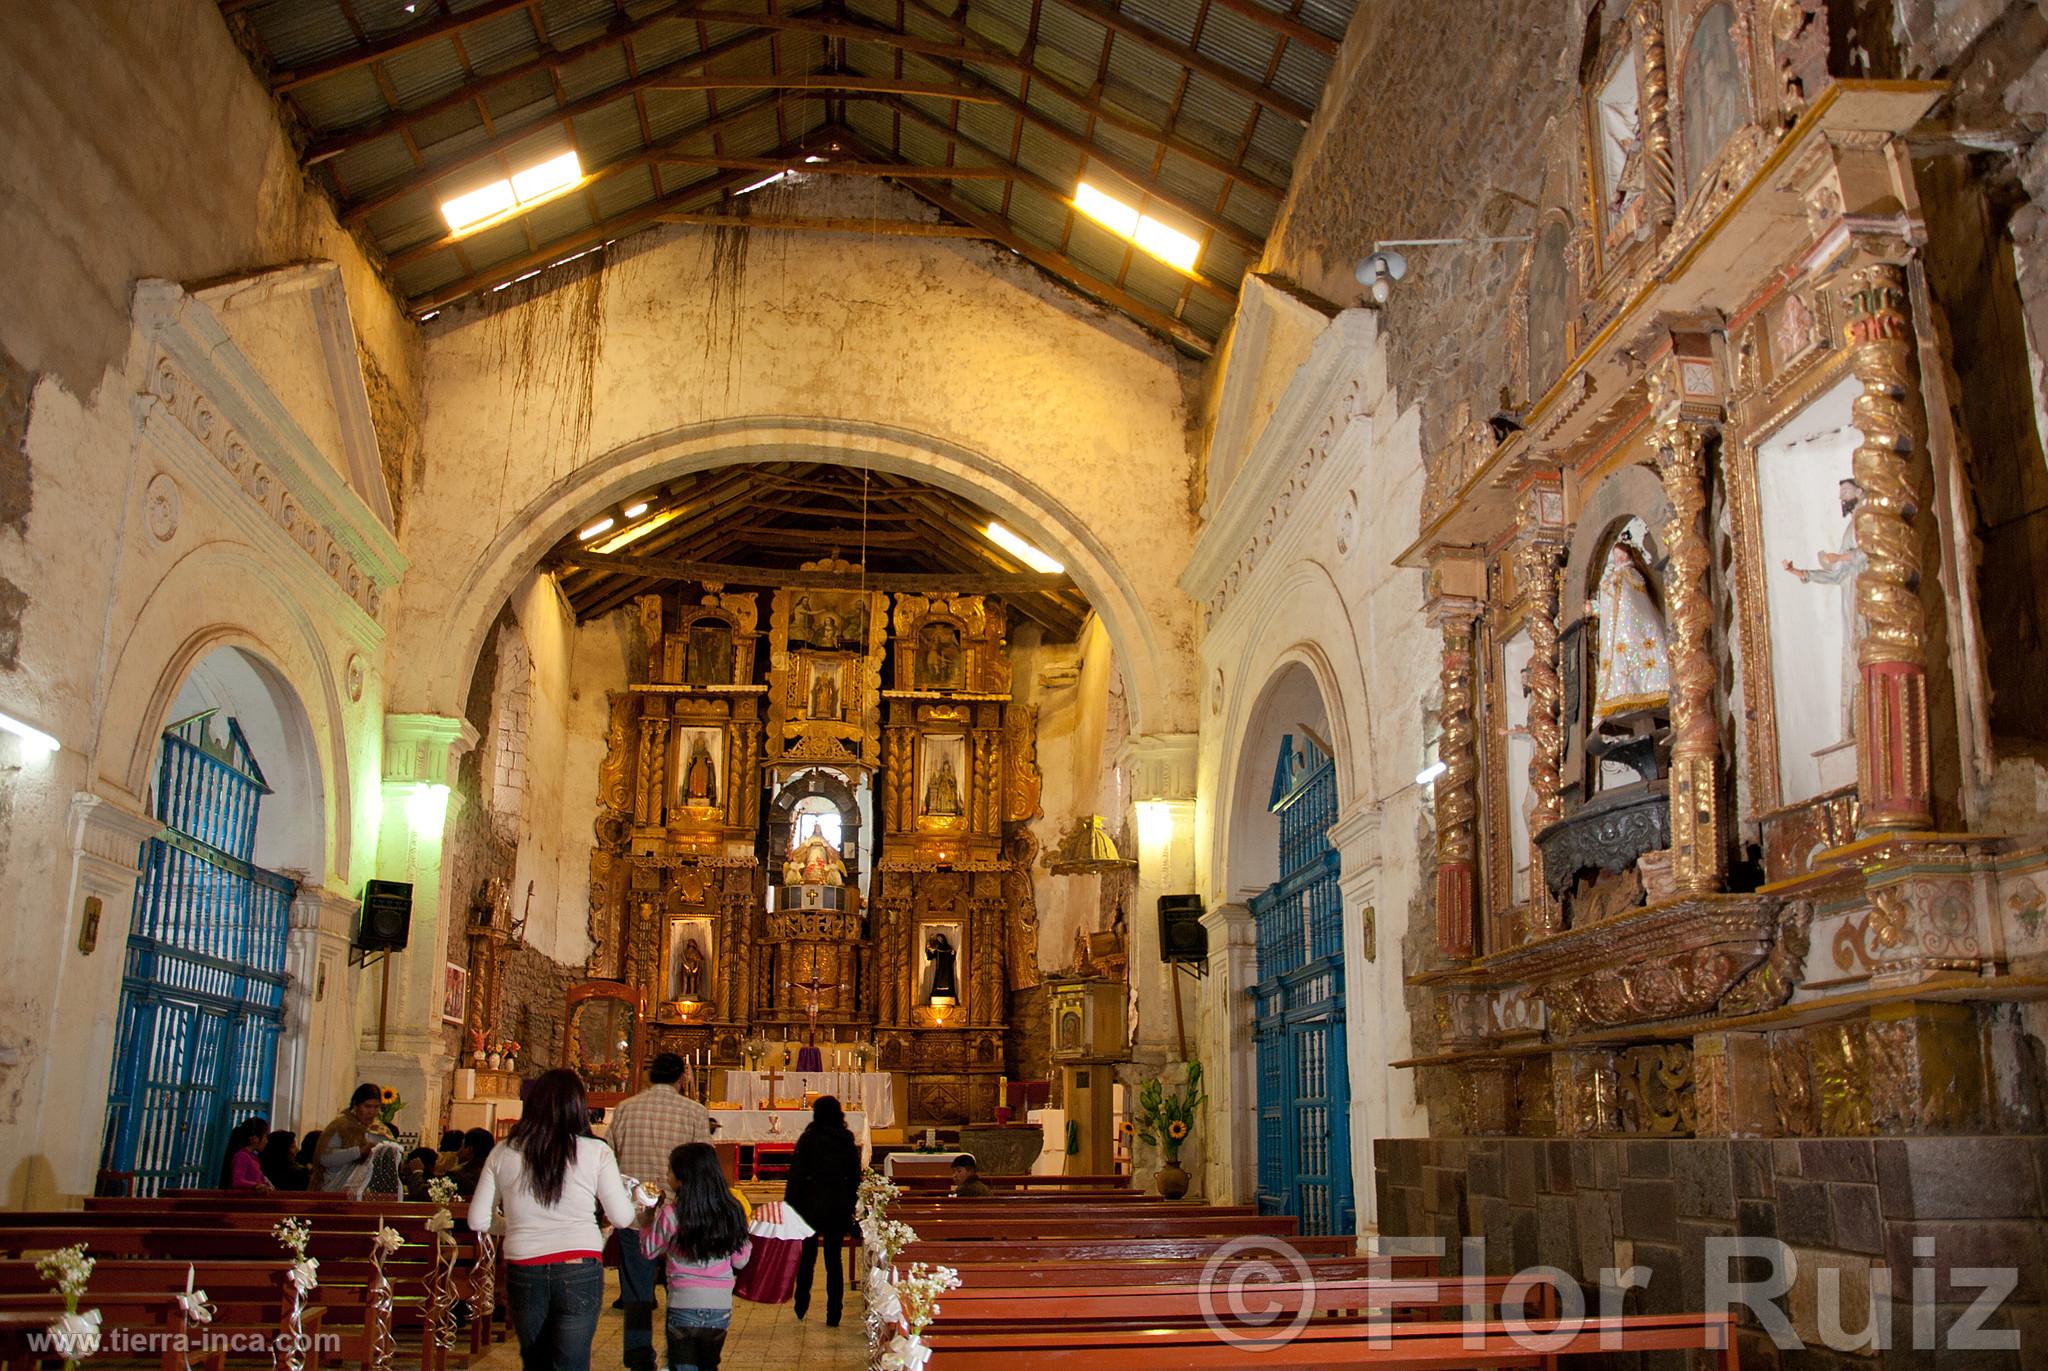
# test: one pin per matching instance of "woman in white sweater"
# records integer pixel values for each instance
(552, 1178)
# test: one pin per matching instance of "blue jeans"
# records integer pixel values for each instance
(696, 1338)
(554, 1311)
(638, 1276)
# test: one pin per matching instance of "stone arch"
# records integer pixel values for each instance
(175, 628)
(1035, 512)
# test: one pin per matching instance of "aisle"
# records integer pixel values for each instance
(764, 1338)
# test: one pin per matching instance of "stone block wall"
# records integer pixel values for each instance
(1862, 1207)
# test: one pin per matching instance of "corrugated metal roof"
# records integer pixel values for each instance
(371, 91)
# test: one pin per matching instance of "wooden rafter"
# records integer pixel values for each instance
(363, 55)
(828, 81)
(895, 171)
(1287, 26)
(1227, 77)
(886, 228)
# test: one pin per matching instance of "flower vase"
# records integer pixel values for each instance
(511, 1062)
(497, 1060)
(477, 1057)
(1172, 1181)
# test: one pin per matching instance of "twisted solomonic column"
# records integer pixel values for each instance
(1457, 795)
(1538, 565)
(1697, 861)
(1653, 101)
(1892, 743)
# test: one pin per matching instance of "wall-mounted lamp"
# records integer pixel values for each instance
(1431, 772)
(34, 742)
(1383, 265)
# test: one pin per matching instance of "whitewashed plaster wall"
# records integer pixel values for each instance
(941, 359)
(184, 509)
(1294, 570)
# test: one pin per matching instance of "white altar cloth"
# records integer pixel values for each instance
(753, 1126)
(871, 1092)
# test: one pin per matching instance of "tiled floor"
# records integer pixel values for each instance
(764, 1338)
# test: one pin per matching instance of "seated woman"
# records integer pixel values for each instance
(278, 1166)
(470, 1158)
(241, 1169)
(418, 1169)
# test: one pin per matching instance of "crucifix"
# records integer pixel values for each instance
(813, 989)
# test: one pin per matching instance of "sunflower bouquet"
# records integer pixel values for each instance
(388, 1105)
(1166, 1117)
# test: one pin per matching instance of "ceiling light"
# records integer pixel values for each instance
(636, 532)
(544, 178)
(600, 526)
(1155, 236)
(1431, 772)
(814, 158)
(1022, 550)
(634, 511)
(34, 741)
(764, 181)
(478, 205)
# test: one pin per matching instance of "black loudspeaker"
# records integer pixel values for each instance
(387, 916)
(1181, 935)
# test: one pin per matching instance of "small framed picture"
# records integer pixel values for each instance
(455, 994)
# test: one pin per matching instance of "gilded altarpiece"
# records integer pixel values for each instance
(789, 851)
(1693, 877)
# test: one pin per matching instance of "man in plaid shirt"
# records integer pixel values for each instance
(644, 1130)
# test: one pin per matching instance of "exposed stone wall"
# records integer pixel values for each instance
(1854, 1206)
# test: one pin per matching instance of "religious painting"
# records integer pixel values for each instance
(699, 754)
(1712, 105)
(941, 964)
(942, 776)
(1807, 501)
(1618, 136)
(1549, 281)
(826, 679)
(829, 621)
(939, 660)
(707, 660)
(691, 964)
(455, 994)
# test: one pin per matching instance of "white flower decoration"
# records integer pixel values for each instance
(442, 1190)
(885, 1306)
(441, 1222)
(77, 1336)
(905, 1353)
(304, 1275)
(387, 1239)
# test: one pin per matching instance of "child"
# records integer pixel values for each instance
(703, 1235)
(967, 1177)
(243, 1169)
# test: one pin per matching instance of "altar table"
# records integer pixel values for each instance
(752, 1126)
(871, 1092)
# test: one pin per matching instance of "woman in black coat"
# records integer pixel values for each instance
(824, 1181)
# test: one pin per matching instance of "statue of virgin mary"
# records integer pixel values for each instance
(1633, 670)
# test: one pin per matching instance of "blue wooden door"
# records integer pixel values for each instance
(1298, 1025)
(202, 988)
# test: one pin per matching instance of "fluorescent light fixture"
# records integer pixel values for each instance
(426, 808)
(600, 526)
(478, 205)
(1431, 772)
(34, 741)
(523, 189)
(1155, 823)
(634, 511)
(1155, 236)
(635, 532)
(1020, 549)
(764, 181)
(544, 178)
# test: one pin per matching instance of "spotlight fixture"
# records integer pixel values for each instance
(1379, 270)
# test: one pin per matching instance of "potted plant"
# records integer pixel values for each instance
(1164, 1120)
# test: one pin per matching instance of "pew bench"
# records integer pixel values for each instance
(22, 1332)
(149, 1321)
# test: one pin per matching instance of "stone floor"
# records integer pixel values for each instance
(764, 1338)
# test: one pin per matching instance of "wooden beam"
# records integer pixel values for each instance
(620, 33)
(1070, 271)
(562, 117)
(292, 78)
(1090, 104)
(1047, 188)
(687, 198)
(854, 29)
(899, 228)
(652, 568)
(828, 81)
(895, 171)
(1293, 30)
(1138, 32)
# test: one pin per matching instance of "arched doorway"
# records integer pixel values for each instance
(202, 1003)
(1303, 1096)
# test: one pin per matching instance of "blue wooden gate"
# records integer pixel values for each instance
(202, 994)
(1298, 1033)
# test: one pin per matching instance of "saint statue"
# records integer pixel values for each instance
(939, 949)
(942, 792)
(1839, 569)
(690, 978)
(813, 862)
(825, 695)
(1633, 669)
(700, 778)
(940, 668)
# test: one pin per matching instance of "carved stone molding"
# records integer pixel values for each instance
(423, 749)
